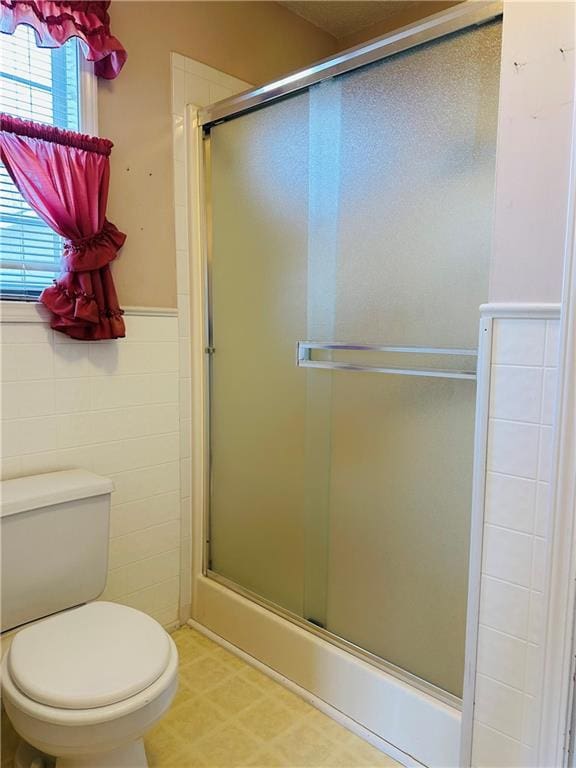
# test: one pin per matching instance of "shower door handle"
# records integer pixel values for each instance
(305, 349)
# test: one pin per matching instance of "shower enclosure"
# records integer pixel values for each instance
(349, 213)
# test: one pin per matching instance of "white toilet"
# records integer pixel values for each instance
(84, 684)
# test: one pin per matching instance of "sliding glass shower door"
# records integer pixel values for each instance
(350, 236)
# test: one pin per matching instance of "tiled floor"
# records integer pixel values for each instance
(229, 715)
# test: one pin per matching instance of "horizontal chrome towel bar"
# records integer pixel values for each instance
(346, 345)
(303, 359)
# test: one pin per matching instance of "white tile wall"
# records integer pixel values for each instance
(512, 610)
(112, 408)
(197, 84)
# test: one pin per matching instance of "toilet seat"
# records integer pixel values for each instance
(89, 658)
(93, 717)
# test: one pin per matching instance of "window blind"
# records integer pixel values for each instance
(40, 84)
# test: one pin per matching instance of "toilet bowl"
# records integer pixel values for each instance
(83, 686)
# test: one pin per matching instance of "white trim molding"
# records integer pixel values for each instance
(151, 311)
(476, 533)
(542, 311)
(34, 312)
(88, 96)
(194, 85)
(23, 312)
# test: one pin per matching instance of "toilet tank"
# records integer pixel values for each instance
(54, 543)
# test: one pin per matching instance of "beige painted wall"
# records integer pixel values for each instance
(533, 158)
(254, 41)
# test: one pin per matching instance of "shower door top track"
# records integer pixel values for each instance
(438, 25)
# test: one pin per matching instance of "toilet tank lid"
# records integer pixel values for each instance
(36, 491)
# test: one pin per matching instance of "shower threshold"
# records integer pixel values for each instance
(412, 721)
(314, 627)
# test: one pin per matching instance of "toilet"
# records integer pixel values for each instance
(82, 681)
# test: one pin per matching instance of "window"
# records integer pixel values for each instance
(40, 84)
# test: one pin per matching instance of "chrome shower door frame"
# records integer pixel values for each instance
(439, 25)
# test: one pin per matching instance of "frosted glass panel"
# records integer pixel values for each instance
(259, 178)
(359, 212)
(399, 519)
(416, 192)
(416, 195)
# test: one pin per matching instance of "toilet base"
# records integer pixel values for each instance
(28, 757)
(131, 755)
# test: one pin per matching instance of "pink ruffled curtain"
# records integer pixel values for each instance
(56, 22)
(64, 177)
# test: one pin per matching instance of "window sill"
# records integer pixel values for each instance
(34, 312)
(23, 312)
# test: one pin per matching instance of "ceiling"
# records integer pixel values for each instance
(345, 17)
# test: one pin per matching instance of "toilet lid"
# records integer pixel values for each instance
(89, 657)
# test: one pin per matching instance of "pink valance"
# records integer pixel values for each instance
(64, 177)
(56, 22)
